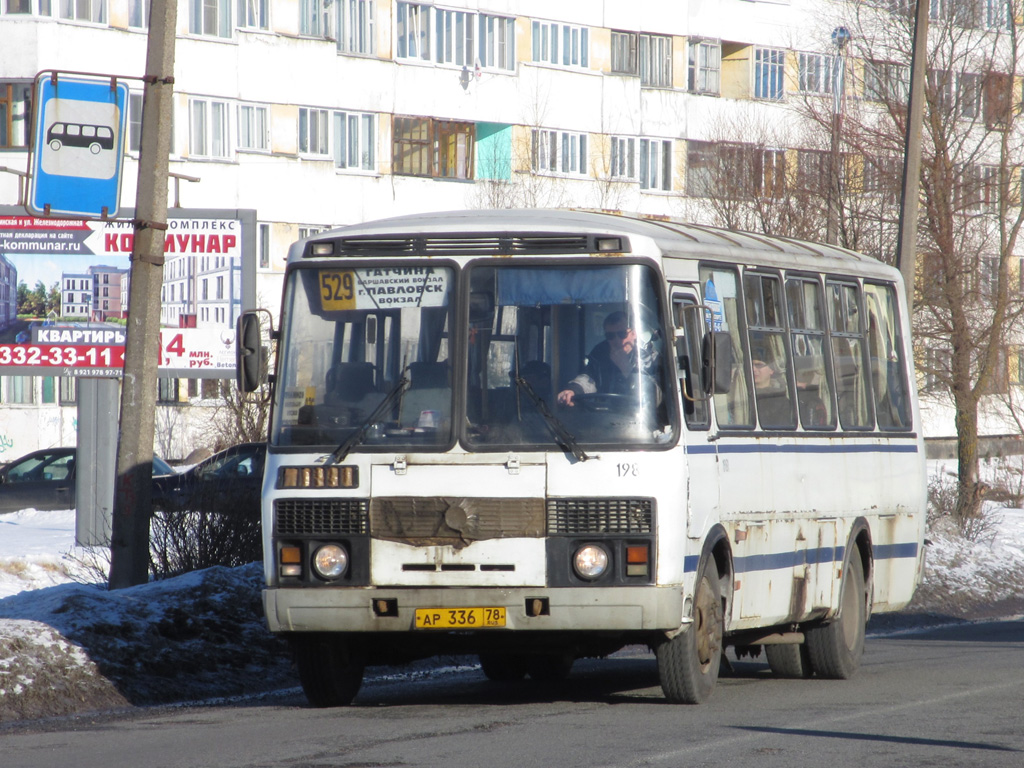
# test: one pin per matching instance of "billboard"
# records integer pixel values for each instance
(209, 278)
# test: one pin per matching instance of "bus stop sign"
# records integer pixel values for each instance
(78, 141)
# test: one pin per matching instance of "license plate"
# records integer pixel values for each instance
(459, 618)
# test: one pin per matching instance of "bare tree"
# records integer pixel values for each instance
(968, 302)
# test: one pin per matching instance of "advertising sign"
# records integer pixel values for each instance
(209, 278)
(78, 146)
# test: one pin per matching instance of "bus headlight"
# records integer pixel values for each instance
(330, 561)
(590, 562)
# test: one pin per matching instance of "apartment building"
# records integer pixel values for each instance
(320, 113)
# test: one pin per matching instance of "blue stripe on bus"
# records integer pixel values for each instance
(780, 560)
(819, 448)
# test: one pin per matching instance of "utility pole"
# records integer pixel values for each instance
(129, 548)
(906, 250)
(840, 37)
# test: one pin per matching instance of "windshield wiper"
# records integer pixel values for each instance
(562, 436)
(360, 434)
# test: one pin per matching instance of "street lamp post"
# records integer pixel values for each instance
(840, 37)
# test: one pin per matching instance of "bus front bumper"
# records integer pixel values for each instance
(617, 609)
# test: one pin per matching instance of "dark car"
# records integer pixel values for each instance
(46, 480)
(230, 481)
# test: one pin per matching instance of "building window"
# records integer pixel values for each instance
(166, 390)
(19, 6)
(305, 232)
(262, 247)
(497, 42)
(656, 61)
(357, 30)
(816, 73)
(997, 14)
(769, 66)
(561, 44)
(138, 14)
(134, 121)
(209, 17)
(426, 147)
(813, 172)
(314, 132)
(355, 140)
(209, 128)
(15, 109)
(413, 31)
(623, 158)
(885, 81)
(21, 390)
(84, 10)
(67, 390)
(704, 67)
(253, 127)
(312, 21)
(559, 152)
(254, 14)
(997, 100)
(455, 38)
(655, 164)
(624, 53)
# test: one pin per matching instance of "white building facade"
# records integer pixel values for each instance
(319, 114)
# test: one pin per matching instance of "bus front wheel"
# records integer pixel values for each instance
(835, 649)
(330, 672)
(688, 663)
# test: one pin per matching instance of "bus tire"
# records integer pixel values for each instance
(789, 661)
(329, 672)
(835, 649)
(550, 667)
(688, 663)
(503, 667)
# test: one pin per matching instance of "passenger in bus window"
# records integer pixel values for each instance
(615, 365)
(774, 407)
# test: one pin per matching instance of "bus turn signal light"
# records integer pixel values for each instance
(636, 560)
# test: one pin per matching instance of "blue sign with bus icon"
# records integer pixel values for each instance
(78, 146)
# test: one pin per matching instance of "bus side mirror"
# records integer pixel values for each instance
(716, 363)
(250, 355)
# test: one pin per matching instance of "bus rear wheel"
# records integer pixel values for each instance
(504, 667)
(688, 663)
(790, 661)
(835, 649)
(330, 672)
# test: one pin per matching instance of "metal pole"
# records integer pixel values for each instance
(129, 548)
(840, 37)
(906, 250)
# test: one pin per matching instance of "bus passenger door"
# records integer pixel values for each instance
(701, 454)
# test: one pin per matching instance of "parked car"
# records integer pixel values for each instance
(230, 481)
(46, 480)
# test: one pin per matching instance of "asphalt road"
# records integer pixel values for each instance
(948, 697)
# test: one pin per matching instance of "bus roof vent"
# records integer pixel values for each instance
(515, 244)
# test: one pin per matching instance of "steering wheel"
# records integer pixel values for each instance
(606, 401)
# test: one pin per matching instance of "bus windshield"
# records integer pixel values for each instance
(555, 355)
(360, 337)
(577, 348)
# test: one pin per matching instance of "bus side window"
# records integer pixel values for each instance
(848, 356)
(885, 353)
(769, 355)
(721, 295)
(811, 367)
(695, 406)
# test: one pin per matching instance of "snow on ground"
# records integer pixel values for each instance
(67, 644)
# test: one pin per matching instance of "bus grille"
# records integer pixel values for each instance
(320, 517)
(429, 520)
(576, 516)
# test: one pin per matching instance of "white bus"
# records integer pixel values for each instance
(542, 435)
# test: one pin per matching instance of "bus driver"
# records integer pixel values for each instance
(614, 363)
